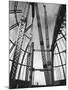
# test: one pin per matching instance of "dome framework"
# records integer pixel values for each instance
(37, 55)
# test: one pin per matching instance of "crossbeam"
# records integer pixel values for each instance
(13, 11)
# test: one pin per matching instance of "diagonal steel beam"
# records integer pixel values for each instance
(16, 24)
(13, 26)
(14, 44)
(46, 73)
(12, 47)
(62, 34)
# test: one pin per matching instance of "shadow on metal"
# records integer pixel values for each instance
(26, 84)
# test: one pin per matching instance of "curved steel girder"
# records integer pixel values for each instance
(59, 21)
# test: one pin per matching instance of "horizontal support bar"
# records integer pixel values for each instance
(20, 63)
(39, 69)
(15, 11)
(59, 65)
(39, 50)
(59, 38)
(64, 51)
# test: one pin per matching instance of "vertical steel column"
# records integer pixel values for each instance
(27, 68)
(15, 9)
(49, 61)
(32, 56)
(46, 73)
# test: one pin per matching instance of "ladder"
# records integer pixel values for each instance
(29, 69)
(17, 52)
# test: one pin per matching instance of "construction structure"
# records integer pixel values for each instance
(35, 52)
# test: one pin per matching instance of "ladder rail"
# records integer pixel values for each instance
(19, 42)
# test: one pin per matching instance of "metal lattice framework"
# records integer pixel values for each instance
(59, 36)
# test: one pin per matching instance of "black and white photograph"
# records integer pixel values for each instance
(37, 44)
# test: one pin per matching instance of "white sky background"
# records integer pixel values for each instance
(52, 10)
